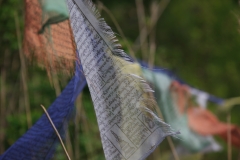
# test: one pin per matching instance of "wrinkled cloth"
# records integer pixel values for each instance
(173, 76)
(161, 83)
(40, 141)
(203, 121)
(51, 45)
(54, 11)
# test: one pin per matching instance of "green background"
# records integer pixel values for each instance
(198, 40)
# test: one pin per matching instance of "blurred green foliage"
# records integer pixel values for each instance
(198, 40)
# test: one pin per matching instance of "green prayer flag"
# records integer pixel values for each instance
(188, 138)
(53, 11)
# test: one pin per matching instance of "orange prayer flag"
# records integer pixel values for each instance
(205, 123)
(54, 47)
(201, 120)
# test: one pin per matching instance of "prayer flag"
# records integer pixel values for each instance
(123, 101)
(40, 141)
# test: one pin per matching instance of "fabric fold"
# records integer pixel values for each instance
(47, 38)
(206, 123)
(172, 108)
(40, 141)
(129, 127)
